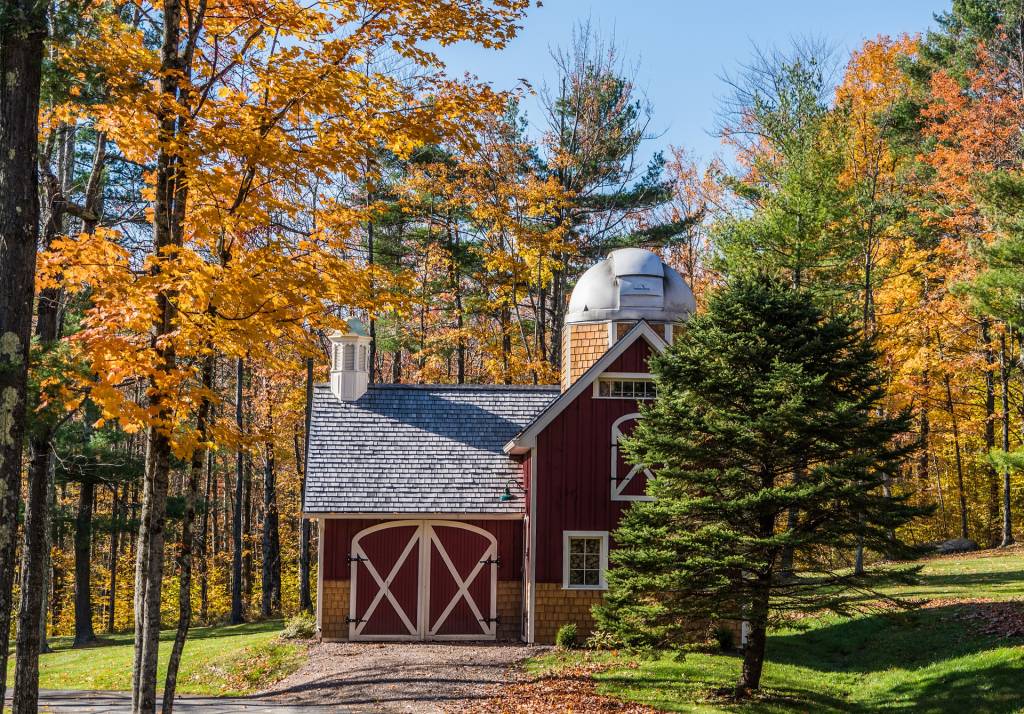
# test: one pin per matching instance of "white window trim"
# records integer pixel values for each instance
(629, 376)
(603, 535)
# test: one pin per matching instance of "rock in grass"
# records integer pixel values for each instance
(956, 545)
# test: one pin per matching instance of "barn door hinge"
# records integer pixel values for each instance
(490, 561)
(489, 620)
(355, 558)
(352, 619)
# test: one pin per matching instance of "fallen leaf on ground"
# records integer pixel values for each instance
(572, 690)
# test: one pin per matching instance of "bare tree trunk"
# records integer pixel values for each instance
(149, 571)
(557, 317)
(305, 598)
(47, 567)
(185, 546)
(958, 457)
(992, 478)
(22, 32)
(757, 639)
(247, 538)
(786, 566)
(115, 536)
(370, 258)
(922, 458)
(1004, 383)
(215, 534)
(168, 219)
(858, 559)
(456, 283)
(506, 347)
(271, 600)
(84, 634)
(204, 542)
(31, 632)
(237, 616)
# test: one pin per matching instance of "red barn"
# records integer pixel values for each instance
(485, 512)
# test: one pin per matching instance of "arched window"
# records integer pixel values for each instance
(349, 358)
(622, 474)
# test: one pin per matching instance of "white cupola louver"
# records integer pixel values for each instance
(350, 375)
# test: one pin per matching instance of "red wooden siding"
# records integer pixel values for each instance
(573, 479)
(338, 534)
(337, 545)
(633, 359)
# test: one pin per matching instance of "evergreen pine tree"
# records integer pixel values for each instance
(760, 385)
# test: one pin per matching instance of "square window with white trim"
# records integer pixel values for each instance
(585, 560)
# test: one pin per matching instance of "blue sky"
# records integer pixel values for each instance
(684, 46)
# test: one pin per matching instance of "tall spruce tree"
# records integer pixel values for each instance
(761, 386)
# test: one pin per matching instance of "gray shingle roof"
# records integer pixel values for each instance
(418, 449)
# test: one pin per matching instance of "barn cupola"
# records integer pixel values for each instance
(350, 361)
(630, 285)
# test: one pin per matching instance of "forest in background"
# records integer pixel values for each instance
(249, 180)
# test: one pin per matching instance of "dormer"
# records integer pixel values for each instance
(350, 361)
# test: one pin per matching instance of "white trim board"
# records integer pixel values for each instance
(414, 516)
(532, 575)
(603, 535)
(527, 438)
(319, 576)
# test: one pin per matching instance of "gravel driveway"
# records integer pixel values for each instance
(399, 677)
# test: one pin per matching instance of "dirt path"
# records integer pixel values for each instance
(400, 677)
(95, 702)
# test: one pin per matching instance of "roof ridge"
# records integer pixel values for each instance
(491, 387)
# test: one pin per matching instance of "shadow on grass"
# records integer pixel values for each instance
(995, 688)
(920, 661)
(668, 691)
(923, 661)
(121, 639)
(905, 640)
(949, 583)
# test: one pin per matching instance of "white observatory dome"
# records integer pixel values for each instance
(630, 284)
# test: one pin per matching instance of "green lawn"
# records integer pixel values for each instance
(928, 660)
(226, 660)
